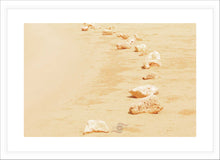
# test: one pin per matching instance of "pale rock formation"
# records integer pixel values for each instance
(138, 38)
(154, 55)
(152, 59)
(148, 104)
(152, 63)
(85, 28)
(123, 35)
(96, 126)
(107, 32)
(150, 76)
(144, 91)
(119, 34)
(89, 24)
(146, 52)
(123, 45)
(140, 48)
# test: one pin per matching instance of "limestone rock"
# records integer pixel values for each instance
(124, 45)
(150, 76)
(140, 48)
(154, 55)
(85, 28)
(152, 63)
(96, 126)
(152, 59)
(123, 35)
(144, 91)
(146, 52)
(89, 25)
(107, 32)
(149, 104)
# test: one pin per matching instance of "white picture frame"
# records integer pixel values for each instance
(14, 145)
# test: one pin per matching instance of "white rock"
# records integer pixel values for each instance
(85, 28)
(151, 63)
(150, 76)
(123, 45)
(140, 48)
(96, 126)
(107, 32)
(123, 35)
(144, 91)
(152, 59)
(148, 104)
(89, 24)
(154, 55)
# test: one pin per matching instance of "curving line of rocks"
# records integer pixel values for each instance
(148, 99)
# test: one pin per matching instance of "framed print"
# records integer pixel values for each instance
(109, 79)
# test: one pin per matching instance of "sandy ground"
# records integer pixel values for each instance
(73, 76)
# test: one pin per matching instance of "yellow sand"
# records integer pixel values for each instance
(73, 76)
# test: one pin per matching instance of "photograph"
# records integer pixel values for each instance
(109, 79)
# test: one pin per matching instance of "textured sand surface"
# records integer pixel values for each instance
(71, 76)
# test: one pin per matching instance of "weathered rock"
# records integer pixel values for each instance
(150, 76)
(89, 25)
(124, 45)
(96, 126)
(154, 55)
(123, 35)
(118, 34)
(140, 48)
(107, 32)
(152, 59)
(146, 52)
(85, 28)
(144, 91)
(155, 63)
(148, 104)
(138, 38)
(152, 63)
